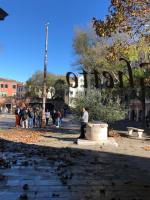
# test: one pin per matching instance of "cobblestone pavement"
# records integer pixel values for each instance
(25, 177)
(53, 167)
(6, 121)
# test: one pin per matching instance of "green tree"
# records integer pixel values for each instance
(61, 89)
(35, 83)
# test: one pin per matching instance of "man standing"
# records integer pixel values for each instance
(84, 121)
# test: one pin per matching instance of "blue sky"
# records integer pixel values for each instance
(22, 34)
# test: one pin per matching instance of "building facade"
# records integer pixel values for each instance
(10, 91)
(12, 88)
(21, 90)
(8, 88)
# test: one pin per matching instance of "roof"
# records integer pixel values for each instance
(20, 84)
(8, 80)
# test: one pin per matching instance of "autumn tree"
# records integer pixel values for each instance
(104, 53)
(93, 53)
(131, 18)
(128, 16)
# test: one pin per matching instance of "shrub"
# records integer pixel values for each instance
(102, 105)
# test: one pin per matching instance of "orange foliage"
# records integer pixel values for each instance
(124, 16)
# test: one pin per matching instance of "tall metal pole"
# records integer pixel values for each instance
(45, 76)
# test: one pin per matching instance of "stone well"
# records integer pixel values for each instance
(97, 131)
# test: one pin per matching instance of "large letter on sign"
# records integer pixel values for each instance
(110, 81)
(74, 84)
(130, 74)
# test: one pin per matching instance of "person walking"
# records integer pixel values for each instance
(84, 121)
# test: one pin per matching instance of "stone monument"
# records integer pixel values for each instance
(97, 131)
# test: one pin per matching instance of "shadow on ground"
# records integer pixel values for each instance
(87, 174)
(60, 138)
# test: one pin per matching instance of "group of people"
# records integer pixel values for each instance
(56, 116)
(28, 117)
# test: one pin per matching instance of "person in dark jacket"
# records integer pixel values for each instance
(53, 115)
(24, 117)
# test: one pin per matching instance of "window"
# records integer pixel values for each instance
(6, 86)
(2, 85)
(3, 94)
(14, 86)
(20, 89)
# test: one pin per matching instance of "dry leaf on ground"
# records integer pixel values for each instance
(147, 148)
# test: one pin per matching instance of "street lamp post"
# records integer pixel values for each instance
(45, 76)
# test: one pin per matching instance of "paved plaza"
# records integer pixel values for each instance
(47, 164)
